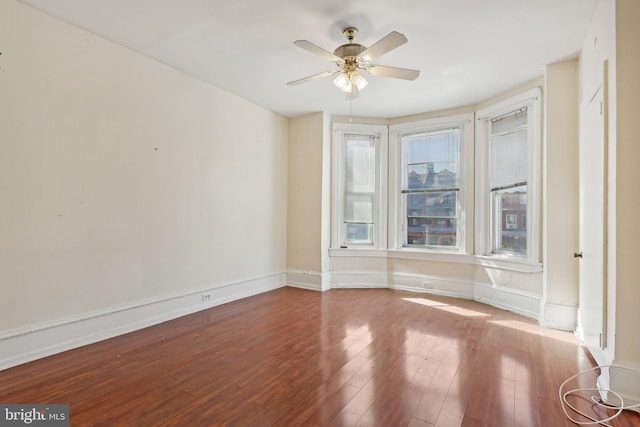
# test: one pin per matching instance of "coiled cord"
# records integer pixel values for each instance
(619, 407)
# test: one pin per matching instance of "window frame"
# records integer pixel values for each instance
(379, 233)
(484, 232)
(464, 209)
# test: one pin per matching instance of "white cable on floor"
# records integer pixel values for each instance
(598, 401)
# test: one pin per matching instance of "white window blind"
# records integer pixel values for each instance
(360, 179)
(509, 171)
(509, 150)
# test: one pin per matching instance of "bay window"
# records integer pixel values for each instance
(458, 188)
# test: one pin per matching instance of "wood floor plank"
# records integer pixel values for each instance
(290, 357)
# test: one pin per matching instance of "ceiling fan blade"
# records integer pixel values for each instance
(314, 77)
(389, 42)
(396, 73)
(317, 50)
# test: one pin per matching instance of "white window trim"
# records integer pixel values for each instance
(466, 193)
(483, 234)
(380, 132)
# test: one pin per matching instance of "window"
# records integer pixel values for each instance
(509, 171)
(436, 189)
(430, 187)
(359, 188)
(508, 194)
(359, 218)
(432, 182)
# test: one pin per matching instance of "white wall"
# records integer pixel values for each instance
(123, 180)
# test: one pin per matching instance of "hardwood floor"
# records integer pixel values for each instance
(292, 357)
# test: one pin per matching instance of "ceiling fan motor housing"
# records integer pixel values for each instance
(349, 49)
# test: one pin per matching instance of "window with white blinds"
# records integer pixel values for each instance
(508, 136)
(359, 188)
(509, 150)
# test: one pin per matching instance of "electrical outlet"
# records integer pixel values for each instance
(206, 297)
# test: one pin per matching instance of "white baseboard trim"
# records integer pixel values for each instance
(520, 302)
(622, 379)
(361, 280)
(311, 280)
(25, 345)
(559, 316)
(524, 303)
(432, 285)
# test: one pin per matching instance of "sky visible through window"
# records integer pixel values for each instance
(438, 149)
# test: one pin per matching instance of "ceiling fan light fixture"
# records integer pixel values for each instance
(343, 82)
(347, 80)
(352, 58)
(358, 80)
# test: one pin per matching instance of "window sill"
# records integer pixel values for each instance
(501, 263)
(358, 252)
(408, 253)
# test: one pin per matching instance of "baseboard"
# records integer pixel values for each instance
(22, 346)
(524, 303)
(622, 380)
(432, 285)
(520, 302)
(559, 316)
(311, 280)
(361, 280)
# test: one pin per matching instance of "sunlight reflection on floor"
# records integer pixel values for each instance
(524, 325)
(447, 307)
(537, 330)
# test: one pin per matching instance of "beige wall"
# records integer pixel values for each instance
(125, 180)
(308, 207)
(627, 179)
(560, 184)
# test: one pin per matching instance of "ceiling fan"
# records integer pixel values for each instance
(352, 58)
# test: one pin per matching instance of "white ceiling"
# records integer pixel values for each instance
(466, 50)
